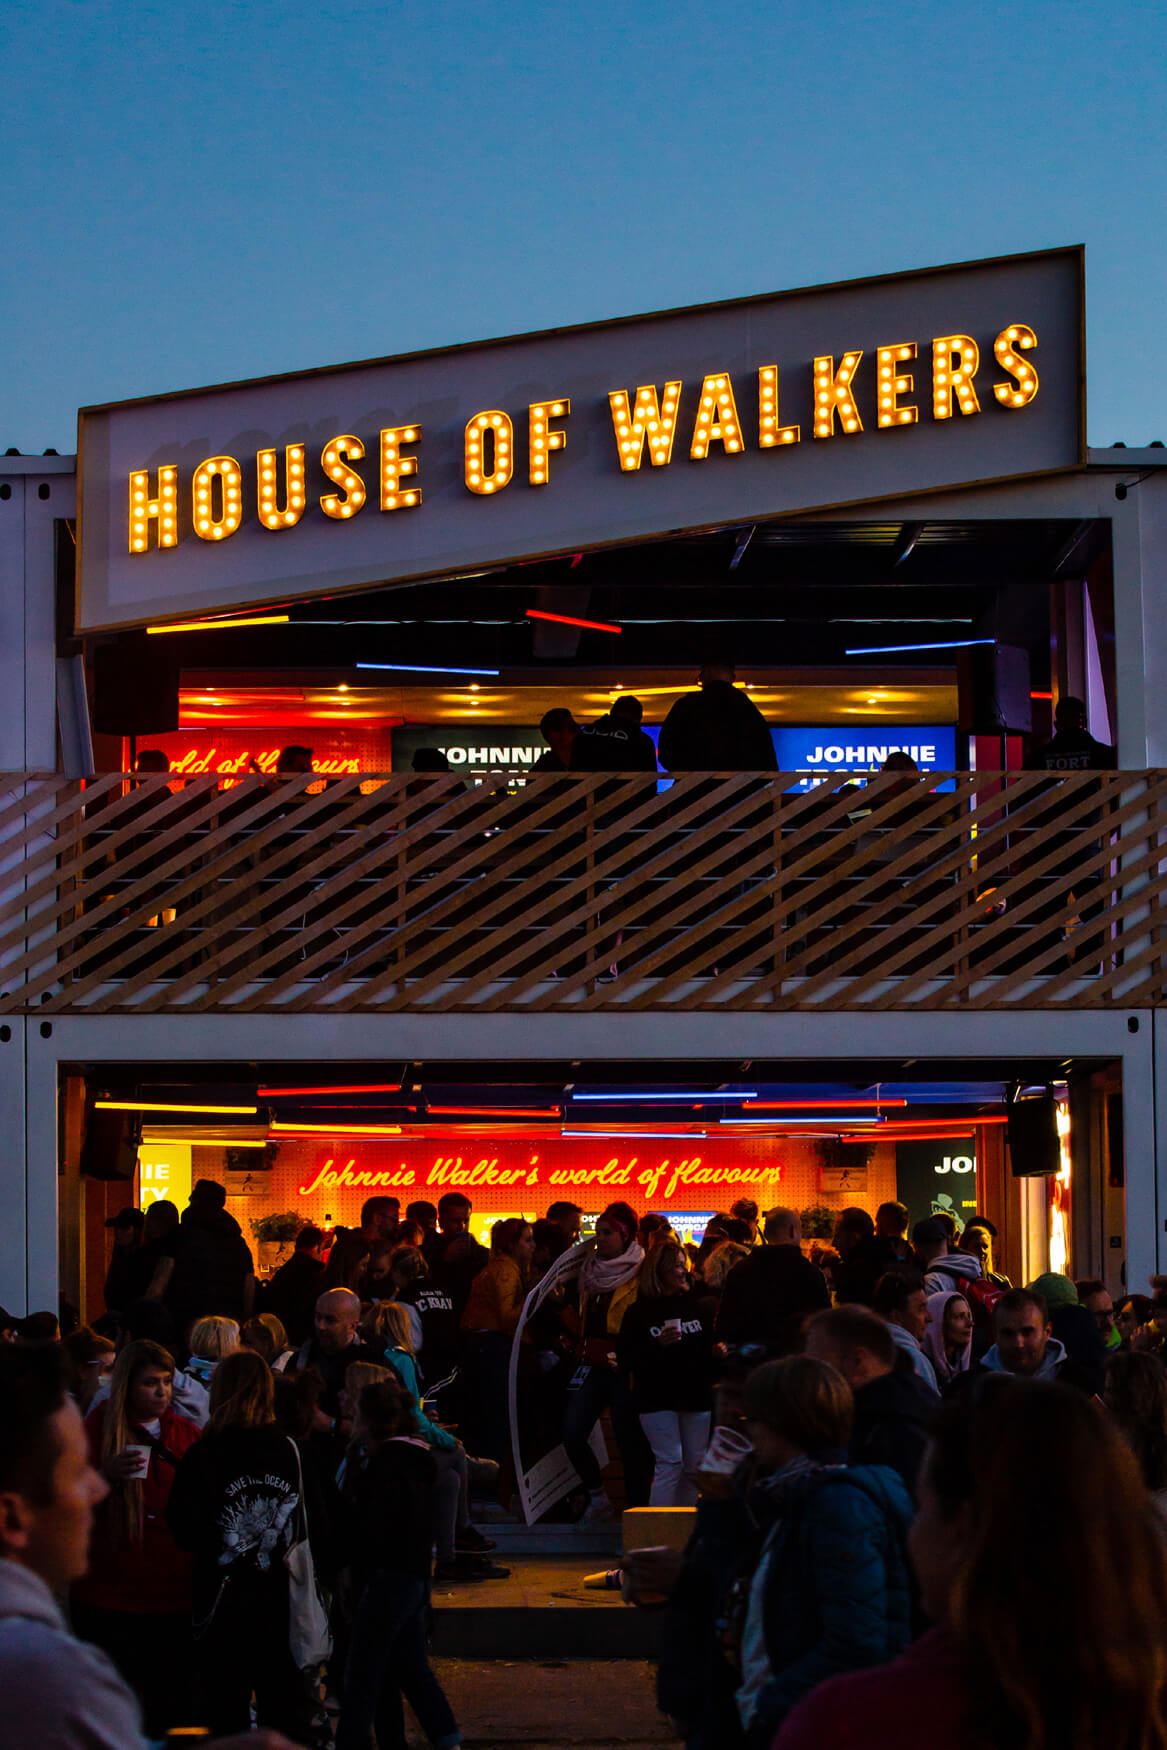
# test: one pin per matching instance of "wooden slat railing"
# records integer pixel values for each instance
(579, 893)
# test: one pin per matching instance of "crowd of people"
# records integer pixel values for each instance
(905, 1470)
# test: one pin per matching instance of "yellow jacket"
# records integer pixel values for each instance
(496, 1298)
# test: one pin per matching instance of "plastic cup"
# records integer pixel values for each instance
(142, 1453)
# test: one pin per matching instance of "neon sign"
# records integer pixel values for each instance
(209, 759)
(662, 1179)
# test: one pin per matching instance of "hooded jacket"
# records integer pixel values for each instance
(920, 1362)
(892, 1416)
(767, 1296)
(948, 1273)
(1052, 1361)
(59, 1693)
(945, 1371)
(837, 1591)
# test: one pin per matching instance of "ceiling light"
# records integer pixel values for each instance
(570, 620)
(218, 625)
(613, 1096)
(422, 668)
(889, 649)
(165, 1106)
(357, 1088)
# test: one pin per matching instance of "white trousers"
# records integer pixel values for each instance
(678, 1439)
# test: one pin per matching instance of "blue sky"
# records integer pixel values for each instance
(191, 195)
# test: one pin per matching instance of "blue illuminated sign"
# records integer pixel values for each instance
(820, 753)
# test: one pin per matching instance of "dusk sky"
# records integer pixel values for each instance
(194, 195)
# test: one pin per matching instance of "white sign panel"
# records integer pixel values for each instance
(443, 462)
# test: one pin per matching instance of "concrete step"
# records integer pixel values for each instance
(543, 1611)
(601, 1541)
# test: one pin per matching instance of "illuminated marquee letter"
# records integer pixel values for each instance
(163, 510)
(832, 394)
(717, 420)
(1024, 387)
(267, 479)
(542, 439)
(893, 383)
(336, 459)
(208, 527)
(649, 418)
(950, 378)
(769, 430)
(495, 425)
(395, 467)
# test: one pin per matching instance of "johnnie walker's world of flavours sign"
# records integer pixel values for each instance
(433, 463)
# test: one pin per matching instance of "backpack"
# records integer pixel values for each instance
(982, 1296)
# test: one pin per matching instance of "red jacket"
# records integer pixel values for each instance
(153, 1577)
(893, 1707)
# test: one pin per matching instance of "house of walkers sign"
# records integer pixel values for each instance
(440, 462)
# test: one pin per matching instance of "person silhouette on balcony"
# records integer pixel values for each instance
(718, 729)
(1071, 749)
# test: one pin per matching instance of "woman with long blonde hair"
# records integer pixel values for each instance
(135, 1599)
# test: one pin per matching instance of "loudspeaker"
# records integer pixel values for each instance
(112, 1140)
(135, 686)
(1034, 1150)
(994, 690)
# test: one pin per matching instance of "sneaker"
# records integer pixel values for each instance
(600, 1511)
(458, 1573)
(471, 1542)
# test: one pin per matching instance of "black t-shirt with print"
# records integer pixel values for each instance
(677, 1376)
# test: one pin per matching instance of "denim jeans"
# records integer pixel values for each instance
(387, 1660)
(600, 1389)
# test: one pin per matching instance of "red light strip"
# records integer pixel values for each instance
(500, 1112)
(1041, 695)
(363, 1088)
(569, 620)
(818, 1105)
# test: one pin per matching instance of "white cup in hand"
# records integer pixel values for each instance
(142, 1454)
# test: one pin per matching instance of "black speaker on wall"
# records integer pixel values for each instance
(135, 686)
(1034, 1149)
(994, 690)
(112, 1140)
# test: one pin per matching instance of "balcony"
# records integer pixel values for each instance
(718, 892)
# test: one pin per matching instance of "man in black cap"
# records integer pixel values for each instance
(122, 1284)
(206, 1267)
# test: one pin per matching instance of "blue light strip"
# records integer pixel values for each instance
(887, 649)
(670, 1135)
(821, 1119)
(613, 1099)
(421, 668)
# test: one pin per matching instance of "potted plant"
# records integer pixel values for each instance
(273, 1235)
(818, 1222)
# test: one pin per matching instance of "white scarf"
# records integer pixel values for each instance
(602, 1275)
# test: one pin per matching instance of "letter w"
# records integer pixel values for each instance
(648, 418)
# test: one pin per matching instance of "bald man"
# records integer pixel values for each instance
(769, 1296)
(335, 1344)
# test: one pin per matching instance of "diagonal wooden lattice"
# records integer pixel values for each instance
(722, 891)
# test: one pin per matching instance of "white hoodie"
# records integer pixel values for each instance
(950, 1272)
(59, 1692)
